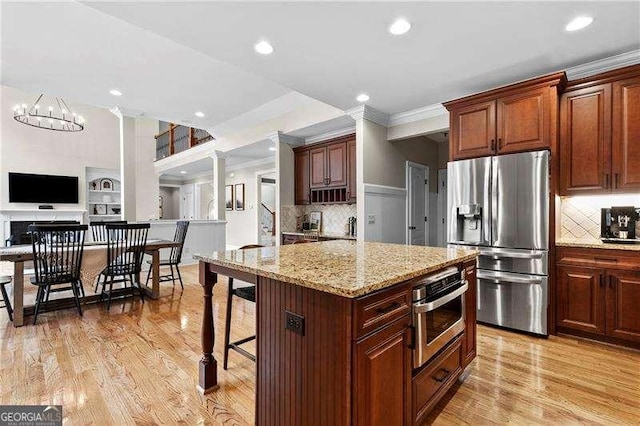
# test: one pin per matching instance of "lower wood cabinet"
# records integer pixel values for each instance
(471, 310)
(383, 376)
(598, 294)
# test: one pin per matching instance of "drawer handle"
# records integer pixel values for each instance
(387, 309)
(443, 377)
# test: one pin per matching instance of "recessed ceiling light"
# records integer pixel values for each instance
(362, 97)
(399, 27)
(263, 48)
(579, 23)
(183, 172)
(272, 148)
(199, 114)
(115, 92)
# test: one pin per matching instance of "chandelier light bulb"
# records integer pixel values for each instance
(50, 108)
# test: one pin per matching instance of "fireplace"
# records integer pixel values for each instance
(19, 230)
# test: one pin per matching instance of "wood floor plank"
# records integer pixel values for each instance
(137, 364)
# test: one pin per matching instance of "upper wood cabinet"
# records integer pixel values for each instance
(517, 118)
(326, 172)
(585, 140)
(600, 134)
(626, 134)
(302, 194)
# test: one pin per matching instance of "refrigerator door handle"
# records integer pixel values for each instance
(494, 199)
(507, 277)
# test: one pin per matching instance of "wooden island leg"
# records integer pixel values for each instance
(208, 371)
(18, 293)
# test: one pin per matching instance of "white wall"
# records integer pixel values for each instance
(30, 150)
(242, 226)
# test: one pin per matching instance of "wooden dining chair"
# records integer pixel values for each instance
(125, 249)
(175, 257)
(99, 229)
(6, 302)
(247, 293)
(57, 257)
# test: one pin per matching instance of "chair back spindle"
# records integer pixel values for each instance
(99, 229)
(125, 247)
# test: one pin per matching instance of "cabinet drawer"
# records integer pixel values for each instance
(436, 378)
(599, 258)
(379, 309)
(290, 239)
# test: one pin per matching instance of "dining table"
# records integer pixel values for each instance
(94, 260)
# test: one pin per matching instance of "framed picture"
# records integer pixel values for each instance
(106, 184)
(315, 221)
(228, 197)
(101, 209)
(240, 196)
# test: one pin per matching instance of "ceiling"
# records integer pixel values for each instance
(333, 51)
(171, 59)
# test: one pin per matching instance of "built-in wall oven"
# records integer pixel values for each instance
(438, 312)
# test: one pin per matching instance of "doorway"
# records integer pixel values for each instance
(267, 214)
(417, 204)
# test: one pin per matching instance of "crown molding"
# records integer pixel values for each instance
(417, 114)
(121, 112)
(330, 135)
(603, 65)
(369, 113)
(279, 137)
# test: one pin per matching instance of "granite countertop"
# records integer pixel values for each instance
(593, 243)
(335, 236)
(346, 268)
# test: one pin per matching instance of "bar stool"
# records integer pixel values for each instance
(247, 293)
(4, 280)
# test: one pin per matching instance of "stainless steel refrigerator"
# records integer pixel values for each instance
(500, 206)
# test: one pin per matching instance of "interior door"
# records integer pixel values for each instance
(187, 206)
(418, 204)
(520, 200)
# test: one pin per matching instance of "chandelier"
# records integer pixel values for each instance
(59, 117)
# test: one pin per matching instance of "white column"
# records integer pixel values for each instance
(285, 175)
(127, 165)
(219, 181)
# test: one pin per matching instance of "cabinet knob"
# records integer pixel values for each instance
(499, 143)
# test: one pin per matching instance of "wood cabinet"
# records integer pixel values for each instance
(302, 184)
(600, 134)
(598, 294)
(470, 306)
(352, 188)
(383, 376)
(326, 172)
(516, 118)
(626, 134)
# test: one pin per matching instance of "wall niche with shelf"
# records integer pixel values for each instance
(104, 194)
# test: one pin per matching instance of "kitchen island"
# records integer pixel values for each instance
(334, 330)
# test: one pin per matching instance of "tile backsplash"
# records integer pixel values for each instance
(580, 216)
(334, 216)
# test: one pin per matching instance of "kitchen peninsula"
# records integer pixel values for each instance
(337, 341)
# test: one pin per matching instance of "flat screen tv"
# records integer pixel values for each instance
(31, 188)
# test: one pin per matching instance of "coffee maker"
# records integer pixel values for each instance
(618, 225)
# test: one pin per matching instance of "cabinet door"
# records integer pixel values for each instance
(318, 167)
(581, 298)
(302, 177)
(382, 376)
(623, 305)
(626, 134)
(585, 140)
(352, 187)
(470, 309)
(523, 121)
(337, 164)
(473, 131)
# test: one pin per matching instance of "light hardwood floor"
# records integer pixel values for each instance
(138, 364)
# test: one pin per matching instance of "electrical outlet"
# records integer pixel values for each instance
(294, 323)
(371, 218)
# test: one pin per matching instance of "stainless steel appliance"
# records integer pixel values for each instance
(438, 312)
(618, 225)
(500, 206)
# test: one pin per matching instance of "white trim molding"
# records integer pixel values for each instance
(369, 113)
(371, 188)
(330, 135)
(251, 164)
(603, 65)
(417, 114)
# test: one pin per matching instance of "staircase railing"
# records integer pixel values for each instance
(268, 219)
(178, 138)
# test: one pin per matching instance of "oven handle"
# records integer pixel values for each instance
(502, 277)
(419, 308)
